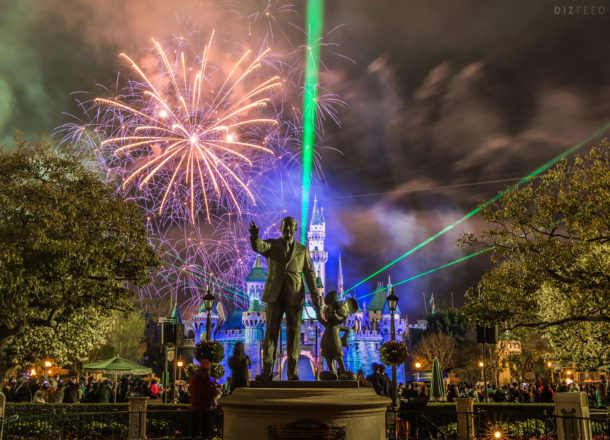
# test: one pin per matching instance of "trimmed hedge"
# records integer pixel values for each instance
(32, 409)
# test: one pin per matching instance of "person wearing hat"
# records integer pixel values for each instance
(284, 293)
(204, 391)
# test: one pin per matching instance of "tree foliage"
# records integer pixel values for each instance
(550, 241)
(450, 321)
(69, 343)
(67, 242)
(436, 345)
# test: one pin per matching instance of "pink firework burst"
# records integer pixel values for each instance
(188, 134)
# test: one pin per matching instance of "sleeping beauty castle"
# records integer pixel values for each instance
(370, 324)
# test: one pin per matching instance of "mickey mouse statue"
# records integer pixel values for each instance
(332, 343)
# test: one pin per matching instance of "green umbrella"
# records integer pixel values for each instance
(437, 388)
(118, 366)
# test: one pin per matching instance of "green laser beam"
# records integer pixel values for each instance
(490, 201)
(177, 257)
(208, 281)
(315, 9)
(195, 286)
(459, 260)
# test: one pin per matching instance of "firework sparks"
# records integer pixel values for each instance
(188, 133)
(204, 132)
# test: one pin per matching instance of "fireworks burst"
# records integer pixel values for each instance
(212, 133)
(189, 134)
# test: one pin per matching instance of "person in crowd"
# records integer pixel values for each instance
(123, 387)
(453, 393)
(154, 389)
(42, 394)
(423, 391)
(204, 391)
(373, 379)
(71, 392)
(22, 392)
(601, 394)
(362, 382)
(184, 395)
(384, 381)
(546, 395)
(89, 392)
(58, 395)
(239, 365)
(104, 393)
(499, 395)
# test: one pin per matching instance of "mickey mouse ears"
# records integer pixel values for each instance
(330, 298)
(352, 305)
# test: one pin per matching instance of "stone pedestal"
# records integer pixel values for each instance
(137, 417)
(573, 417)
(304, 413)
(465, 418)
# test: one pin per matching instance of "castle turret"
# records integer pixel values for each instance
(255, 281)
(315, 241)
(254, 321)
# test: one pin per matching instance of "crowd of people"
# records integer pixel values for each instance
(75, 390)
(201, 391)
(538, 392)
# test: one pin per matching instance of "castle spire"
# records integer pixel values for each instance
(317, 216)
(316, 235)
(340, 278)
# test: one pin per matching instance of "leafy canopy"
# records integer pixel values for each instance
(67, 241)
(550, 241)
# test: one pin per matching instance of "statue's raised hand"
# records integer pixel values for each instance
(253, 230)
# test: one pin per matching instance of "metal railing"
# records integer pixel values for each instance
(160, 424)
(82, 425)
(429, 423)
(442, 423)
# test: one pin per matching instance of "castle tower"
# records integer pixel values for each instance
(254, 318)
(254, 322)
(315, 241)
(255, 281)
(340, 289)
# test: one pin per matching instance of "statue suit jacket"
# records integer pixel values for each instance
(287, 269)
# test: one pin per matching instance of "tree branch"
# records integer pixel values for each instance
(45, 322)
(546, 324)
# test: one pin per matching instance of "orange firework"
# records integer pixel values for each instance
(190, 132)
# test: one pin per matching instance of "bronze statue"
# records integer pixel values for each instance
(284, 293)
(332, 343)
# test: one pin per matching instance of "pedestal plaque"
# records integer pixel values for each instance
(306, 430)
(304, 413)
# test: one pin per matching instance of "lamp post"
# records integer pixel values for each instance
(550, 365)
(47, 368)
(418, 367)
(208, 301)
(482, 367)
(392, 300)
(180, 364)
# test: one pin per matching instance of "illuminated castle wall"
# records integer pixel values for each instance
(370, 324)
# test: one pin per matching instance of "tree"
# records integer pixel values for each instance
(436, 345)
(126, 335)
(551, 245)
(450, 321)
(69, 343)
(67, 242)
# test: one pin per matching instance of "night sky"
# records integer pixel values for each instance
(446, 104)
